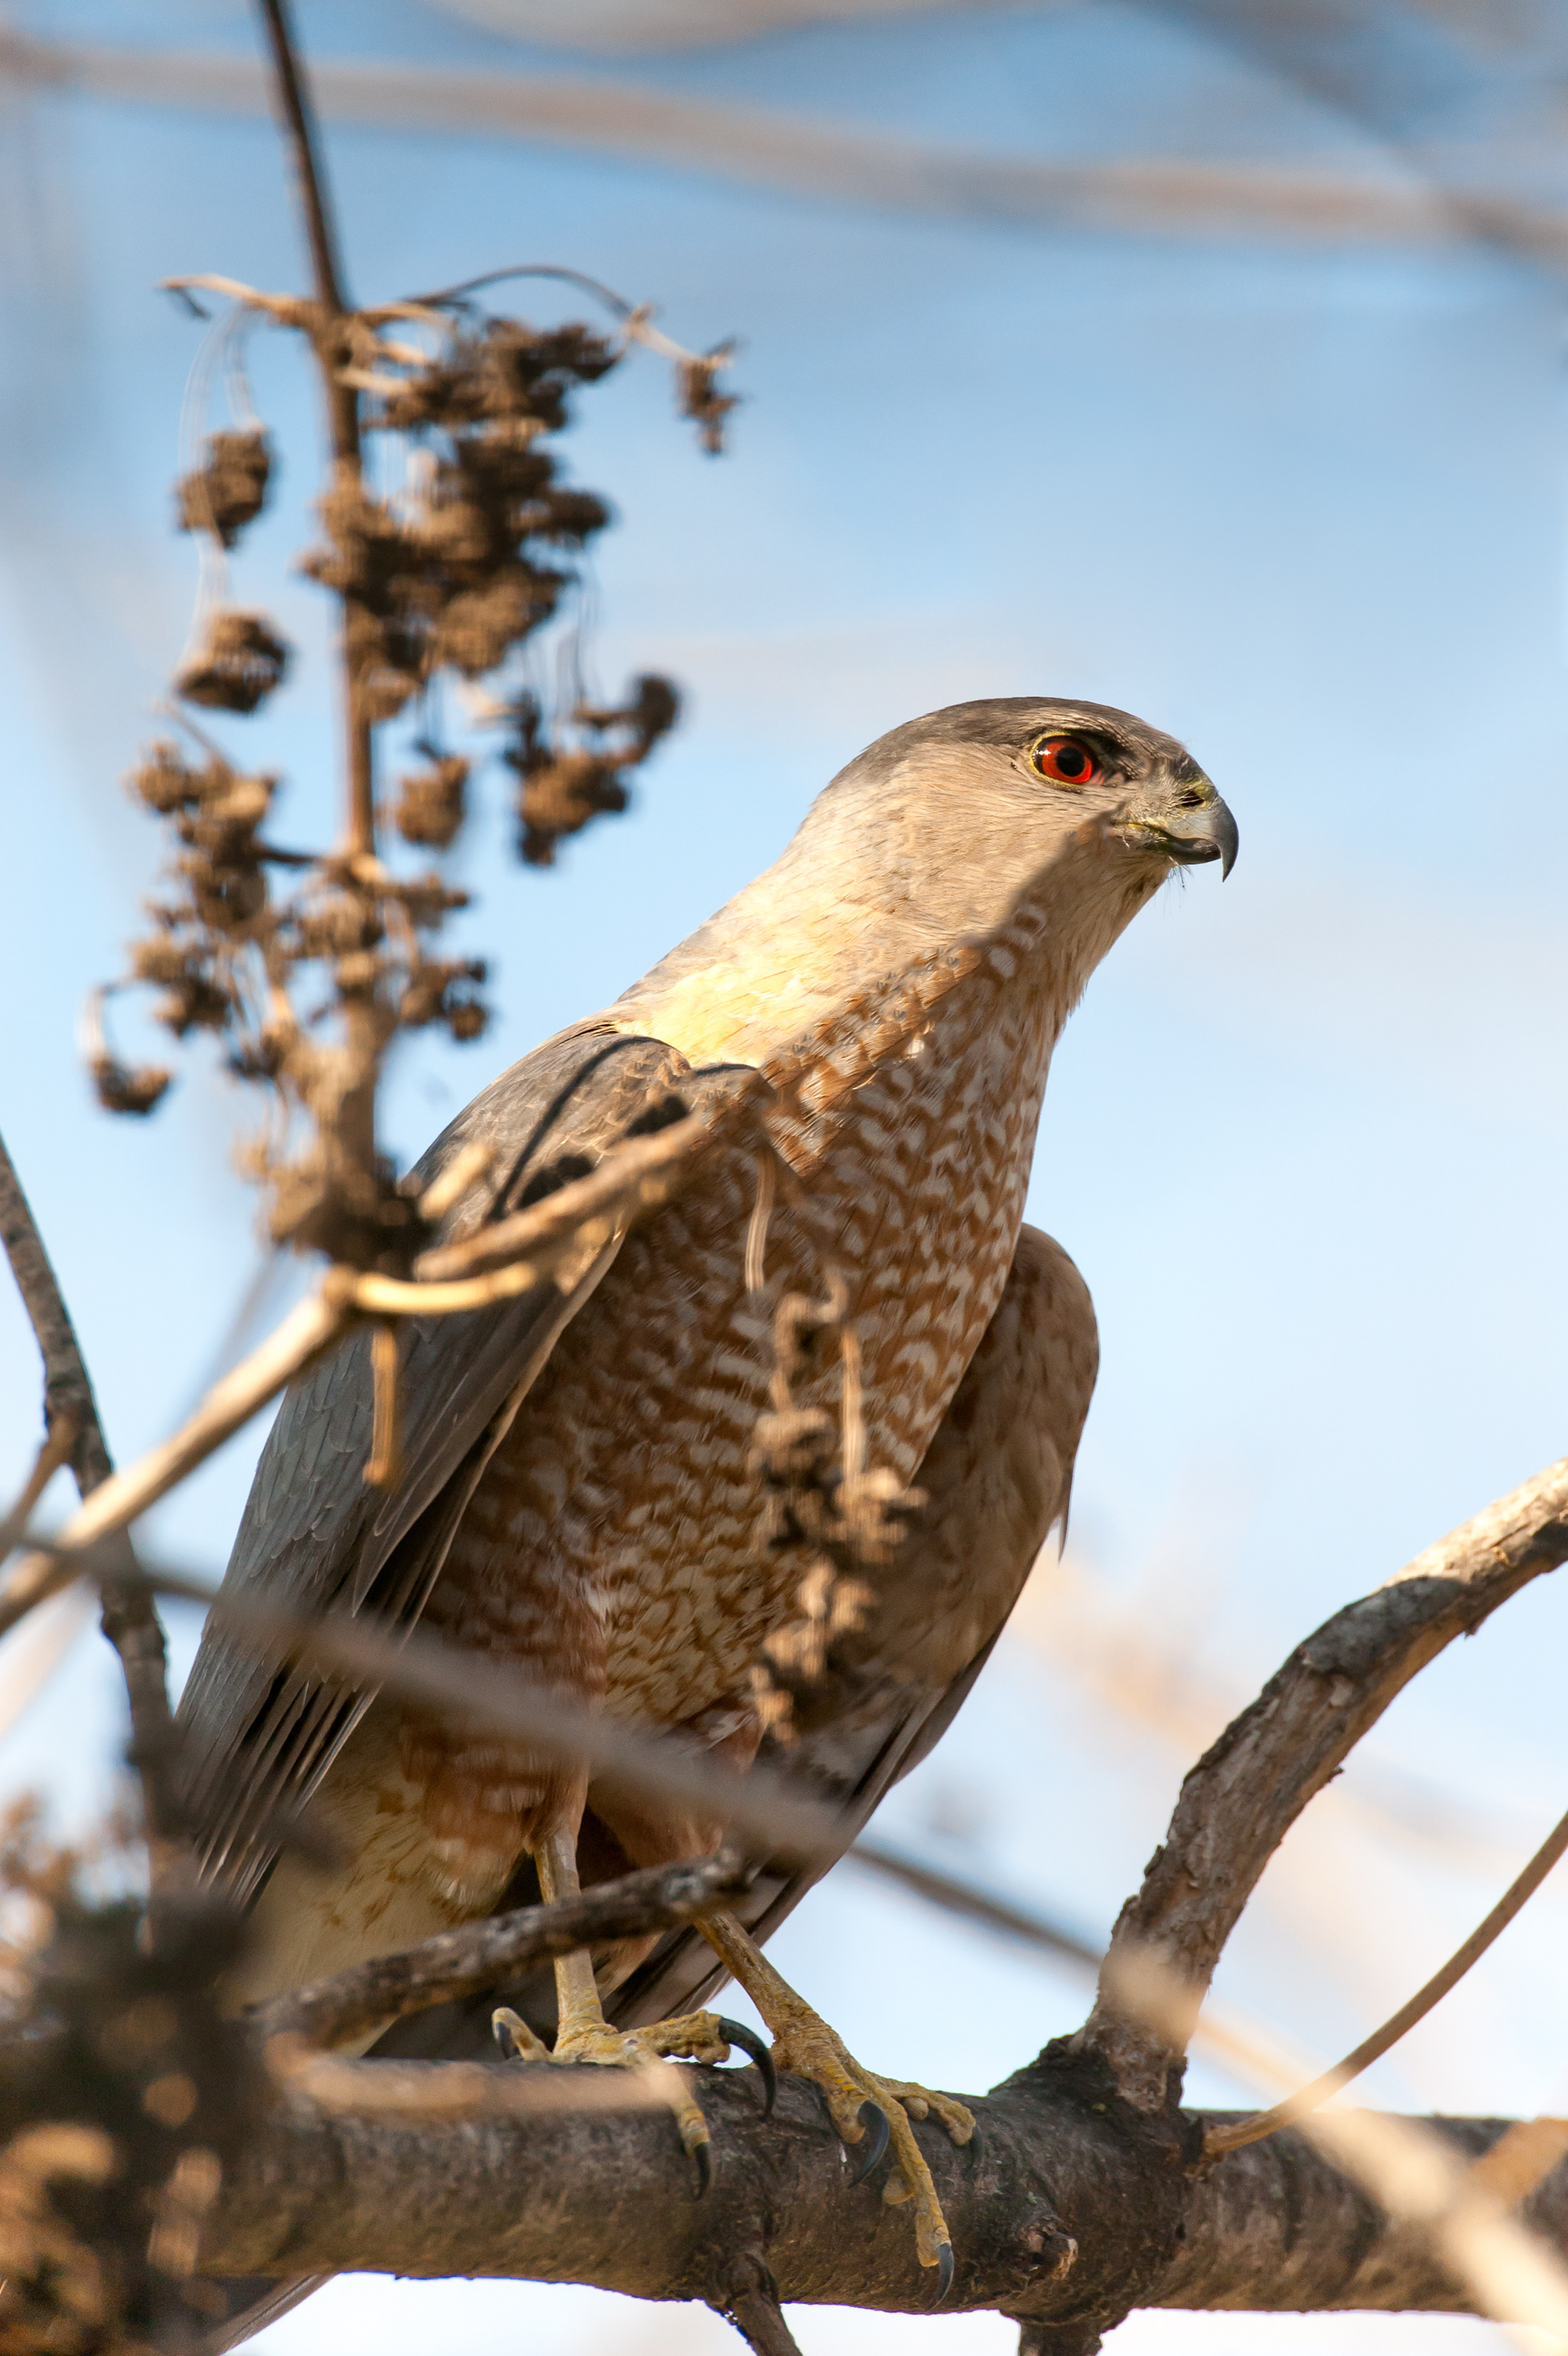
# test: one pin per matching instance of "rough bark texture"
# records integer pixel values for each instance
(1243, 1795)
(1071, 2208)
(1068, 2202)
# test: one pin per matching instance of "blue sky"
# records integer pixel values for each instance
(1301, 505)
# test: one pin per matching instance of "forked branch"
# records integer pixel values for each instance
(130, 1616)
(1239, 1802)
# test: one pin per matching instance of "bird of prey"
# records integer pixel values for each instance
(578, 1492)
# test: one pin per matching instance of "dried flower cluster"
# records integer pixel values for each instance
(263, 973)
(453, 570)
(125, 2098)
(229, 489)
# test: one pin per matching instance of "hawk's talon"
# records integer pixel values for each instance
(807, 2047)
(516, 2040)
(751, 2044)
(944, 2272)
(879, 2129)
(694, 2037)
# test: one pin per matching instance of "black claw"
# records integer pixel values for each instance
(501, 2029)
(879, 2132)
(704, 2159)
(944, 2272)
(736, 2033)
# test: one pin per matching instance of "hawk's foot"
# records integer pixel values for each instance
(861, 2104)
(694, 2037)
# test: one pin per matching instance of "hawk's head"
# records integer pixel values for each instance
(1012, 779)
(951, 828)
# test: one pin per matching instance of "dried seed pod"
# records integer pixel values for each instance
(427, 900)
(195, 1002)
(438, 991)
(504, 371)
(158, 958)
(465, 1018)
(432, 803)
(240, 663)
(162, 781)
(653, 711)
(698, 398)
(229, 489)
(560, 796)
(338, 925)
(479, 627)
(128, 1088)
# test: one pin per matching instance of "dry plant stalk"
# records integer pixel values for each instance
(450, 542)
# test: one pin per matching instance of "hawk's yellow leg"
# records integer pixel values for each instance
(582, 2034)
(803, 2043)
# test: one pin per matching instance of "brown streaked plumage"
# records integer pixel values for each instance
(578, 1495)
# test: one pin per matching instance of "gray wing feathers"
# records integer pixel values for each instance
(313, 1535)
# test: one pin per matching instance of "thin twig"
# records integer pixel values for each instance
(445, 2092)
(1373, 2049)
(757, 1226)
(130, 1619)
(384, 1469)
(480, 1956)
(309, 1329)
(630, 1174)
(303, 148)
(55, 1449)
(976, 1905)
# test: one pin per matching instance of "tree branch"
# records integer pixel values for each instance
(1237, 1804)
(480, 1956)
(315, 1326)
(1066, 2207)
(300, 126)
(130, 1618)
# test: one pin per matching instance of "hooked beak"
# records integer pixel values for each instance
(1202, 830)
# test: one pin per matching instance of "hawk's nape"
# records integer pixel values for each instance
(579, 1494)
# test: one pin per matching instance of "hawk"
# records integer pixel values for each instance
(578, 1493)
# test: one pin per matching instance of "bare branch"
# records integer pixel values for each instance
(1170, 195)
(299, 124)
(315, 1326)
(477, 1956)
(976, 1905)
(1371, 2048)
(130, 1616)
(636, 1174)
(1059, 2209)
(1239, 1802)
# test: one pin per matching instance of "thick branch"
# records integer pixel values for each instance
(1059, 2210)
(481, 1954)
(1243, 1795)
(131, 1620)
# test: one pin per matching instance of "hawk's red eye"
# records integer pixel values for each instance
(1065, 761)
